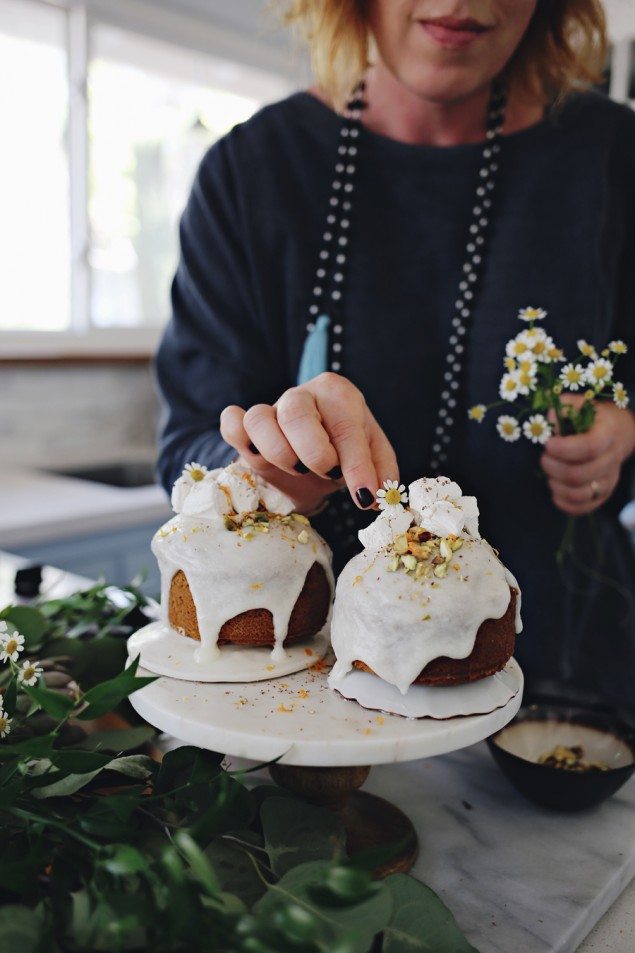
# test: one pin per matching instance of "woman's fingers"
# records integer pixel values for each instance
(581, 447)
(264, 432)
(322, 428)
(345, 418)
(300, 422)
(384, 457)
(580, 474)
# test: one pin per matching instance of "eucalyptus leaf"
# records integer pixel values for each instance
(123, 859)
(199, 863)
(20, 929)
(106, 696)
(118, 739)
(420, 921)
(359, 922)
(29, 622)
(235, 870)
(137, 766)
(53, 703)
(69, 784)
(297, 832)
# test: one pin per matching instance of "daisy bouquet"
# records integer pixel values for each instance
(538, 378)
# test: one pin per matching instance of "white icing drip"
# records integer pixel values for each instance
(228, 575)
(378, 615)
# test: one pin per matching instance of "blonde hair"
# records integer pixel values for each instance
(563, 49)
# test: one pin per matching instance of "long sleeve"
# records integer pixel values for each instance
(217, 349)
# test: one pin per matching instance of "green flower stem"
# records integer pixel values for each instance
(58, 825)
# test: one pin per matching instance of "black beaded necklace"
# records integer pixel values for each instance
(329, 276)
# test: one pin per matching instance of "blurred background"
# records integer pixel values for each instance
(106, 107)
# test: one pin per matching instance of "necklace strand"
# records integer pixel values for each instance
(328, 290)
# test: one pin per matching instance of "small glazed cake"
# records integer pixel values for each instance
(428, 601)
(238, 565)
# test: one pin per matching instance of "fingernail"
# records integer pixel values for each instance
(335, 473)
(253, 448)
(364, 497)
(300, 467)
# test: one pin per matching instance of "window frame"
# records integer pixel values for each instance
(180, 28)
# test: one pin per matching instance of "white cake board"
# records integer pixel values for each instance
(301, 721)
(164, 652)
(426, 701)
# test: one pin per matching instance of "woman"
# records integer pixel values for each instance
(380, 258)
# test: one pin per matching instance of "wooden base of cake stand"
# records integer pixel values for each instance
(369, 821)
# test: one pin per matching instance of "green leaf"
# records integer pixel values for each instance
(29, 622)
(123, 859)
(187, 765)
(137, 766)
(66, 785)
(199, 864)
(106, 696)
(80, 762)
(9, 697)
(358, 922)
(297, 832)
(20, 929)
(420, 921)
(53, 703)
(235, 871)
(118, 739)
(40, 747)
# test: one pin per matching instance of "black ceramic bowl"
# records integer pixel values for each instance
(538, 729)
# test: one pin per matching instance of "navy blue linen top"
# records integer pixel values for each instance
(562, 238)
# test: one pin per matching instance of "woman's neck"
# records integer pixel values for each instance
(393, 111)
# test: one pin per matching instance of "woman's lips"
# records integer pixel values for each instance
(448, 31)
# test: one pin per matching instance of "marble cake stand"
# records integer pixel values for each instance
(324, 744)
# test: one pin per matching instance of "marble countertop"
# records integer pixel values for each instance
(36, 507)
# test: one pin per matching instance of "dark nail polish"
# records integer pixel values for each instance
(253, 448)
(364, 497)
(335, 473)
(300, 467)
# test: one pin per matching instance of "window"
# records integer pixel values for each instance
(94, 173)
(34, 179)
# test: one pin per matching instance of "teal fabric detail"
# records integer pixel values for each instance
(314, 358)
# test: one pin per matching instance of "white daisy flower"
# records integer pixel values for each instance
(526, 380)
(620, 397)
(542, 348)
(532, 334)
(537, 429)
(532, 314)
(5, 723)
(509, 386)
(618, 347)
(477, 413)
(29, 673)
(587, 349)
(392, 493)
(509, 364)
(195, 471)
(572, 376)
(599, 372)
(10, 646)
(518, 347)
(508, 428)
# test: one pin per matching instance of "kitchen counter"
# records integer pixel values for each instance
(36, 507)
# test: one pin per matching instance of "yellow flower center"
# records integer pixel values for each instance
(526, 378)
(11, 647)
(510, 384)
(29, 672)
(392, 497)
(536, 429)
(599, 372)
(508, 428)
(520, 347)
(197, 475)
(4, 722)
(539, 347)
(573, 376)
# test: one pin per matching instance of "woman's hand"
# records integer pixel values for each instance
(583, 469)
(315, 438)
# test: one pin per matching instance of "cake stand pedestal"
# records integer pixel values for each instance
(323, 744)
